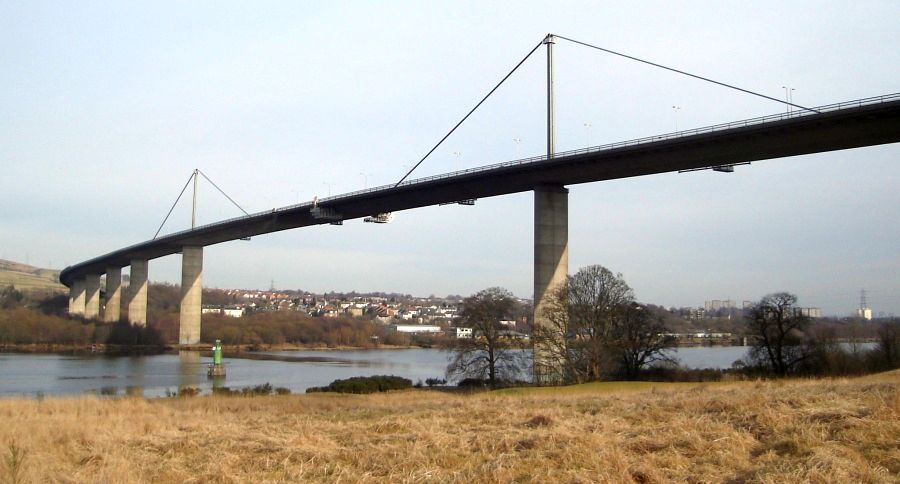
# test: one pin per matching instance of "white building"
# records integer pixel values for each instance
(717, 304)
(808, 312)
(414, 328)
(233, 312)
(460, 333)
(230, 312)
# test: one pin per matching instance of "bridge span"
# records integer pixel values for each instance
(847, 125)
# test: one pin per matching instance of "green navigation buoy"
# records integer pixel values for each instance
(217, 369)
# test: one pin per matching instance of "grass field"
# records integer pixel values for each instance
(24, 277)
(841, 430)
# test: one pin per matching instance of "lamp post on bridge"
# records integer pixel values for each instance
(365, 179)
(587, 127)
(788, 97)
(194, 205)
(518, 142)
(676, 109)
(551, 139)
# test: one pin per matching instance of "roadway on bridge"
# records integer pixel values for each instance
(854, 124)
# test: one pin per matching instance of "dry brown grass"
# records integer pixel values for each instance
(844, 430)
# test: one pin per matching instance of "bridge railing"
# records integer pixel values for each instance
(620, 144)
(543, 158)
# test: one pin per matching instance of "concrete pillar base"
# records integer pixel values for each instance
(92, 296)
(112, 312)
(551, 267)
(137, 293)
(191, 295)
(76, 298)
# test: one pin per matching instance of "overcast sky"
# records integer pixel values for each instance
(107, 107)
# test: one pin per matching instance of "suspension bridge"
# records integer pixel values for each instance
(805, 130)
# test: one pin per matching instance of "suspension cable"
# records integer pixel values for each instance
(687, 74)
(223, 193)
(470, 113)
(173, 205)
(182, 193)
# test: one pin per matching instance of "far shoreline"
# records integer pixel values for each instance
(124, 350)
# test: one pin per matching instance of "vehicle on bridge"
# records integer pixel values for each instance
(381, 218)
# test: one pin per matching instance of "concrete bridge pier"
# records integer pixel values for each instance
(112, 313)
(76, 298)
(137, 293)
(92, 296)
(191, 295)
(551, 267)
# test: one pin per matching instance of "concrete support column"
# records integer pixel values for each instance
(112, 313)
(551, 266)
(76, 298)
(92, 296)
(137, 293)
(191, 295)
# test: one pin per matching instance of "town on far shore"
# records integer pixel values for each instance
(717, 322)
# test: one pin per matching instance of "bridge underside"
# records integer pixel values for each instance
(865, 125)
(847, 128)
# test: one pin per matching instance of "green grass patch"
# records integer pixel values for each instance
(602, 387)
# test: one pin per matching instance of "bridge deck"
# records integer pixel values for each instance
(847, 125)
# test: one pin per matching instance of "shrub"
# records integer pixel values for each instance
(365, 384)
(435, 381)
(225, 391)
(264, 389)
(472, 383)
(258, 390)
(188, 392)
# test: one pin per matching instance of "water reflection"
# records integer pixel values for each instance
(159, 375)
(188, 367)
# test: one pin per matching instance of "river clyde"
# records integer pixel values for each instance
(37, 375)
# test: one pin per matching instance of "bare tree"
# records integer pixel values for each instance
(556, 352)
(595, 329)
(640, 339)
(778, 331)
(888, 346)
(492, 353)
(596, 298)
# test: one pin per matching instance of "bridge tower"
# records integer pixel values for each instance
(191, 283)
(551, 243)
(191, 295)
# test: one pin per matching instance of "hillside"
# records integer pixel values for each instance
(834, 430)
(24, 277)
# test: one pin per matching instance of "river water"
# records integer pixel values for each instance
(157, 375)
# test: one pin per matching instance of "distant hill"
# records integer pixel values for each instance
(24, 277)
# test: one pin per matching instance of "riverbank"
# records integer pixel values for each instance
(231, 349)
(833, 430)
(63, 348)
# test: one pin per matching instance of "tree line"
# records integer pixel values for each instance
(783, 343)
(592, 328)
(26, 320)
